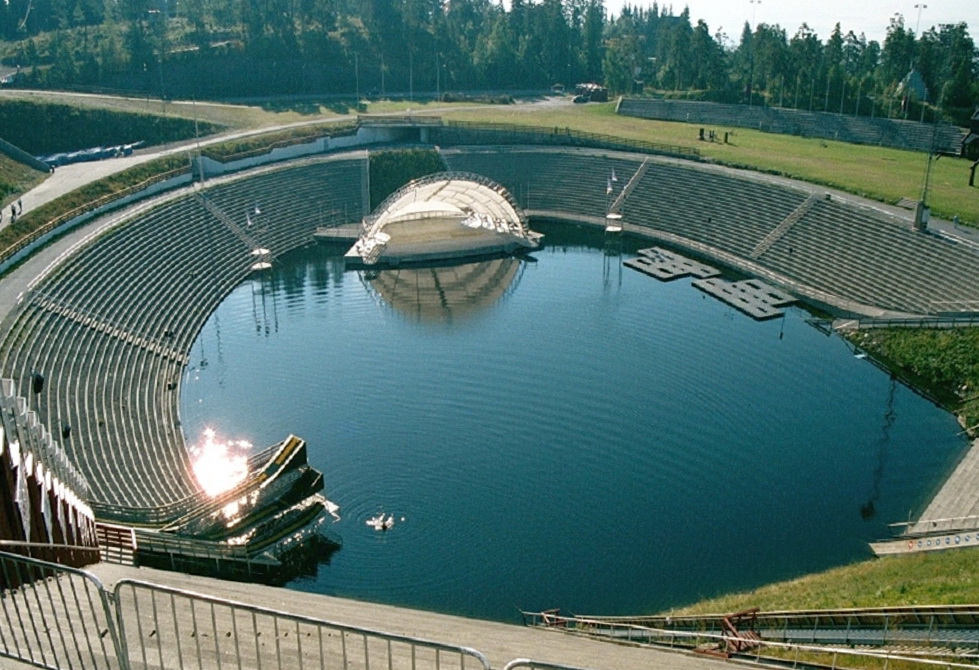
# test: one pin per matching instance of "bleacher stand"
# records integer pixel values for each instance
(834, 251)
(110, 327)
(43, 513)
(897, 133)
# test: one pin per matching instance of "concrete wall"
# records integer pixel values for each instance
(22, 156)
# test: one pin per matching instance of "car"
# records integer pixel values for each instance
(581, 98)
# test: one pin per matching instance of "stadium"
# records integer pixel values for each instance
(94, 351)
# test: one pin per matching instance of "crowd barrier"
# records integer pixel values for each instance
(62, 618)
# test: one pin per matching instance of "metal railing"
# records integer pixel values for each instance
(56, 617)
(49, 226)
(168, 628)
(62, 618)
(925, 527)
(894, 618)
(537, 665)
(793, 654)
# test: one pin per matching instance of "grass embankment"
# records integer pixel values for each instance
(230, 115)
(16, 178)
(946, 360)
(103, 189)
(928, 578)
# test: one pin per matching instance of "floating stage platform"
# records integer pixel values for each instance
(751, 296)
(666, 265)
(446, 216)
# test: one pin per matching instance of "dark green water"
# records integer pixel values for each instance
(561, 433)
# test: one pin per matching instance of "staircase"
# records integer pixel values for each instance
(117, 544)
(778, 231)
(221, 216)
(640, 171)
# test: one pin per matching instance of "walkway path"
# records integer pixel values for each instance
(500, 642)
(958, 496)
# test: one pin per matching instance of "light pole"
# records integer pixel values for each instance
(161, 19)
(754, 6)
(917, 25)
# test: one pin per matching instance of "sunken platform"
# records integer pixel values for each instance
(751, 296)
(666, 265)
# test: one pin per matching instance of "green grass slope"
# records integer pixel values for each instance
(16, 179)
(927, 578)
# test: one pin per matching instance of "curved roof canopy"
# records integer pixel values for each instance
(453, 194)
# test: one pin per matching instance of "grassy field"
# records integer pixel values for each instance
(927, 578)
(238, 116)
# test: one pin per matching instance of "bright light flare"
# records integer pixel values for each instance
(219, 465)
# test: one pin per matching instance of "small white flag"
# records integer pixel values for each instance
(614, 178)
(608, 187)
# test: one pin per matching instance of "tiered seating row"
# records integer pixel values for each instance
(568, 180)
(710, 207)
(868, 257)
(854, 252)
(107, 328)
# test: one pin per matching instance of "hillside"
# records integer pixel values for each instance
(16, 178)
(929, 578)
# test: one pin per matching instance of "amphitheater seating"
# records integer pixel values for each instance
(855, 253)
(709, 206)
(875, 259)
(110, 327)
(897, 133)
(565, 180)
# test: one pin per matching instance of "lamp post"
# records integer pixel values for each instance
(161, 46)
(917, 24)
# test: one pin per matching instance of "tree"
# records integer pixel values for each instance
(592, 34)
(805, 53)
(621, 56)
(709, 71)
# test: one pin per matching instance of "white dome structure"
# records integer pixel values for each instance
(448, 215)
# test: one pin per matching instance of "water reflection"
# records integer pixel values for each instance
(446, 293)
(219, 465)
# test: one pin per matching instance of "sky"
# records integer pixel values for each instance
(870, 17)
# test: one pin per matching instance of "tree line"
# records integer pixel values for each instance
(230, 48)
